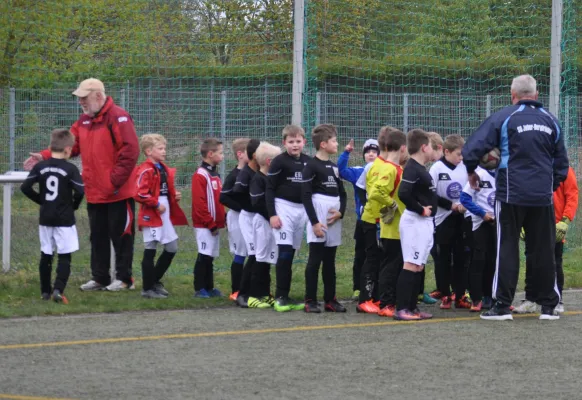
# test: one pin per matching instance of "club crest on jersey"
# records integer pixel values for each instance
(214, 185)
(336, 172)
(444, 177)
(454, 190)
(485, 185)
(491, 199)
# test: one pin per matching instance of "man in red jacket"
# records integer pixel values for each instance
(105, 139)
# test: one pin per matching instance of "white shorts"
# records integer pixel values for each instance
(245, 223)
(236, 242)
(333, 234)
(63, 238)
(265, 247)
(293, 220)
(164, 234)
(208, 244)
(416, 237)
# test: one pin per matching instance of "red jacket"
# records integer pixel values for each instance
(207, 212)
(566, 197)
(148, 191)
(109, 151)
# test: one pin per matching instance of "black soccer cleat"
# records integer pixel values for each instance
(334, 306)
(497, 313)
(45, 296)
(549, 314)
(312, 307)
(242, 301)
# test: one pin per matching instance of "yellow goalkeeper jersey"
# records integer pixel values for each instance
(382, 181)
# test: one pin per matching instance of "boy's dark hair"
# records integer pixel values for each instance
(252, 148)
(453, 142)
(322, 133)
(293, 130)
(61, 138)
(391, 139)
(415, 139)
(208, 145)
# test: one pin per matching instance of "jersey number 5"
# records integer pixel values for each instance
(52, 186)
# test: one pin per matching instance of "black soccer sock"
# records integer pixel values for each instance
(200, 272)
(283, 270)
(236, 269)
(245, 281)
(316, 251)
(209, 263)
(45, 268)
(147, 269)
(63, 272)
(443, 268)
(328, 273)
(260, 280)
(404, 289)
(422, 278)
(162, 265)
(414, 292)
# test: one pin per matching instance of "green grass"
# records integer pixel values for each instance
(19, 290)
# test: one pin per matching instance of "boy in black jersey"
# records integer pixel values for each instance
(60, 193)
(265, 246)
(247, 213)
(324, 198)
(418, 193)
(230, 199)
(286, 211)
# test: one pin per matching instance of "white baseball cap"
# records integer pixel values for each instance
(88, 86)
(371, 144)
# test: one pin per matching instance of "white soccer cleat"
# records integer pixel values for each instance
(559, 308)
(92, 285)
(118, 285)
(549, 314)
(526, 307)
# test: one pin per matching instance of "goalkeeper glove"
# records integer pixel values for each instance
(561, 229)
(387, 213)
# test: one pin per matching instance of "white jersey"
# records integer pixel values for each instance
(361, 182)
(485, 197)
(449, 184)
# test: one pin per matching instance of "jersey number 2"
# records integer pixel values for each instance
(52, 186)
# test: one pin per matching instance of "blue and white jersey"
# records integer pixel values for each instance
(482, 201)
(449, 181)
(533, 161)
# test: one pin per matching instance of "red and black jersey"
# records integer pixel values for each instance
(207, 212)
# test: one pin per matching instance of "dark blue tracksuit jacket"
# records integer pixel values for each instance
(533, 158)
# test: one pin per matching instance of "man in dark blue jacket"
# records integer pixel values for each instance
(533, 164)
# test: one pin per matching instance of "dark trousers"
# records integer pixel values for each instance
(392, 263)
(359, 254)
(63, 272)
(152, 272)
(370, 269)
(450, 255)
(540, 238)
(483, 261)
(324, 256)
(558, 257)
(112, 223)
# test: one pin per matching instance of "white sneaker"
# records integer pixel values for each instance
(559, 308)
(92, 285)
(118, 285)
(526, 307)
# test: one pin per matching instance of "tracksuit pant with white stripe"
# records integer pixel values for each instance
(540, 232)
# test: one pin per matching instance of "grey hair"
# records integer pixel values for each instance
(524, 86)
